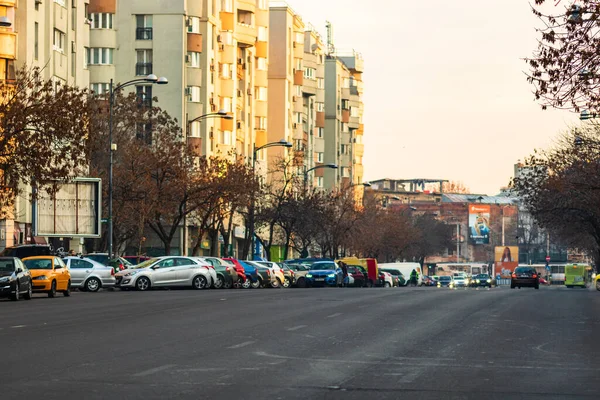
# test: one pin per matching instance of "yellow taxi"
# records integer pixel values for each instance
(49, 274)
(597, 280)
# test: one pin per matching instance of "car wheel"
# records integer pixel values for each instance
(598, 285)
(286, 282)
(275, 284)
(537, 286)
(16, 296)
(67, 292)
(92, 285)
(52, 292)
(29, 293)
(247, 284)
(301, 283)
(142, 284)
(199, 282)
(512, 286)
(369, 283)
(227, 284)
(219, 282)
(387, 284)
(257, 284)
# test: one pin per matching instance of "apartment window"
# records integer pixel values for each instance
(320, 132)
(298, 63)
(143, 131)
(319, 157)
(226, 71)
(320, 107)
(358, 139)
(7, 69)
(261, 93)
(319, 181)
(261, 64)
(344, 127)
(143, 25)
(100, 56)
(59, 41)
(310, 73)
(262, 34)
(36, 35)
(345, 172)
(193, 59)
(354, 112)
(144, 94)
(57, 83)
(345, 104)
(344, 148)
(260, 123)
(194, 129)
(244, 17)
(193, 93)
(101, 20)
(346, 83)
(227, 5)
(193, 25)
(143, 64)
(61, 2)
(298, 90)
(226, 104)
(321, 83)
(226, 138)
(299, 37)
(227, 38)
(100, 88)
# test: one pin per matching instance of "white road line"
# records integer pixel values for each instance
(154, 370)
(337, 314)
(240, 345)
(18, 326)
(295, 328)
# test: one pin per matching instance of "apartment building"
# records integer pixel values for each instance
(344, 127)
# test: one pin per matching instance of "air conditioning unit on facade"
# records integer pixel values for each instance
(240, 60)
(188, 91)
(190, 22)
(239, 125)
(38, 1)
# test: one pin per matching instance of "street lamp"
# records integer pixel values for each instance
(113, 146)
(331, 166)
(281, 143)
(219, 114)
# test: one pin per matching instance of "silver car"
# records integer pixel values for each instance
(167, 271)
(89, 275)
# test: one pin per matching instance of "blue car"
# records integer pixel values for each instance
(324, 273)
(253, 280)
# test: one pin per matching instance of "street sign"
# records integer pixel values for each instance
(547, 258)
(547, 268)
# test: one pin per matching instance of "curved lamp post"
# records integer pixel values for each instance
(113, 147)
(331, 166)
(281, 143)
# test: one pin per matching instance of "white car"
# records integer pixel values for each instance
(167, 271)
(388, 280)
(89, 275)
(211, 270)
(460, 281)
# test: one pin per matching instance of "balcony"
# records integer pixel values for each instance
(143, 34)
(143, 69)
(8, 45)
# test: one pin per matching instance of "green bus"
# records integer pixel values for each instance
(576, 275)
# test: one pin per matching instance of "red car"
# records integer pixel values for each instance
(239, 269)
(357, 274)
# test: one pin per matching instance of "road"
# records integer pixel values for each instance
(329, 343)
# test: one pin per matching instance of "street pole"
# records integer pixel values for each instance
(502, 226)
(458, 242)
(252, 204)
(110, 169)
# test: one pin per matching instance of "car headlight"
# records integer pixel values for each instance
(477, 281)
(132, 273)
(40, 278)
(309, 275)
(331, 276)
(4, 279)
(489, 281)
(439, 285)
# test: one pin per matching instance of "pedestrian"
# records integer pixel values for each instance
(414, 276)
(344, 268)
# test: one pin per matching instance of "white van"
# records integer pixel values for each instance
(405, 268)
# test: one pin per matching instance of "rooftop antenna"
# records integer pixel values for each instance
(330, 46)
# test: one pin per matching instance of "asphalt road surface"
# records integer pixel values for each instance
(330, 343)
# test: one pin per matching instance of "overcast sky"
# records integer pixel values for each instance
(445, 91)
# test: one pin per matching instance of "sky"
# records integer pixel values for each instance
(446, 95)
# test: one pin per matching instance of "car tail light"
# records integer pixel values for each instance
(268, 273)
(121, 267)
(112, 272)
(291, 273)
(535, 275)
(227, 269)
(514, 275)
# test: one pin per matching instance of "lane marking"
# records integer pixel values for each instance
(243, 344)
(295, 328)
(154, 370)
(337, 314)
(18, 326)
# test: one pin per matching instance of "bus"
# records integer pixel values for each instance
(471, 269)
(577, 275)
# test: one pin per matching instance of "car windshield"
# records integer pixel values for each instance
(145, 264)
(38, 264)
(445, 278)
(322, 266)
(6, 265)
(391, 271)
(522, 270)
(483, 276)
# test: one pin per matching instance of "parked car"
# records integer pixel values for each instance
(385, 279)
(597, 280)
(445, 281)
(15, 279)
(167, 271)
(89, 275)
(253, 279)
(324, 273)
(289, 275)
(49, 274)
(135, 260)
(267, 277)
(118, 263)
(27, 250)
(227, 276)
(482, 280)
(239, 269)
(358, 275)
(524, 277)
(276, 272)
(397, 274)
(300, 272)
(428, 281)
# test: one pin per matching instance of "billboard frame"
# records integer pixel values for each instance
(97, 215)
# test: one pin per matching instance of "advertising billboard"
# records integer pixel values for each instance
(479, 223)
(506, 260)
